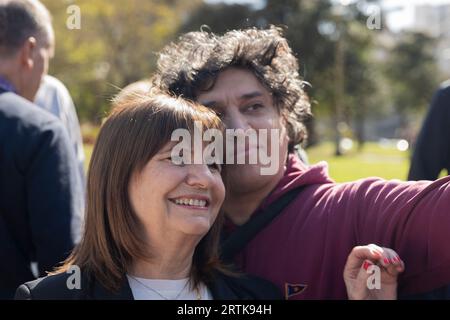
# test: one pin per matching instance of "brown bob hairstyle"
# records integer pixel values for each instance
(134, 132)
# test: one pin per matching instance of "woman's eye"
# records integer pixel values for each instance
(176, 160)
(215, 166)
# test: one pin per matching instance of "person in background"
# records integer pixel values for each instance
(40, 190)
(432, 150)
(54, 97)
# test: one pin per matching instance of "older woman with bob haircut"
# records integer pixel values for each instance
(152, 226)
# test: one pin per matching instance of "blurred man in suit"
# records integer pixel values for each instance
(40, 190)
(432, 150)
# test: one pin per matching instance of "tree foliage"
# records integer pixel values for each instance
(115, 46)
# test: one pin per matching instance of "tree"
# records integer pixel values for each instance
(115, 46)
(412, 74)
(219, 18)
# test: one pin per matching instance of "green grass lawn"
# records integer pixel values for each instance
(373, 161)
(88, 153)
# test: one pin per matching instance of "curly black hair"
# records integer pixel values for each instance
(191, 65)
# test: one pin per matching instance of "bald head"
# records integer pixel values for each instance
(20, 20)
(26, 44)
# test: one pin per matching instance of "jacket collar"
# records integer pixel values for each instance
(6, 86)
(98, 292)
(221, 288)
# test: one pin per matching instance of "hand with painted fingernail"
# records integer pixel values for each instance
(371, 273)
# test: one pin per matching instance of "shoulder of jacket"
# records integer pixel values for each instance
(445, 85)
(17, 110)
(62, 286)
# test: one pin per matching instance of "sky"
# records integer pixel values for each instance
(400, 17)
(403, 14)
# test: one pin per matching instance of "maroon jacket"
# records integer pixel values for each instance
(305, 248)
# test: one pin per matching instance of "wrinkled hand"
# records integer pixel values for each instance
(359, 268)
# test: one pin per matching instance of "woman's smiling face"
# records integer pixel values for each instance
(183, 198)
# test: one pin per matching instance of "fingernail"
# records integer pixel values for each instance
(386, 260)
(366, 265)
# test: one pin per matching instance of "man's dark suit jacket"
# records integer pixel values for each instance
(432, 151)
(40, 192)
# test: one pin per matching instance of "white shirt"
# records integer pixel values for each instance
(54, 97)
(151, 289)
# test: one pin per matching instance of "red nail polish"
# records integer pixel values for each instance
(386, 260)
(366, 265)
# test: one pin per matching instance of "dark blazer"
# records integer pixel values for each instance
(432, 151)
(40, 192)
(222, 287)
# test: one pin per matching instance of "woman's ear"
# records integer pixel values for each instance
(26, 53)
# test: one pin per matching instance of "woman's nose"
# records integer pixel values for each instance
(199, 176)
